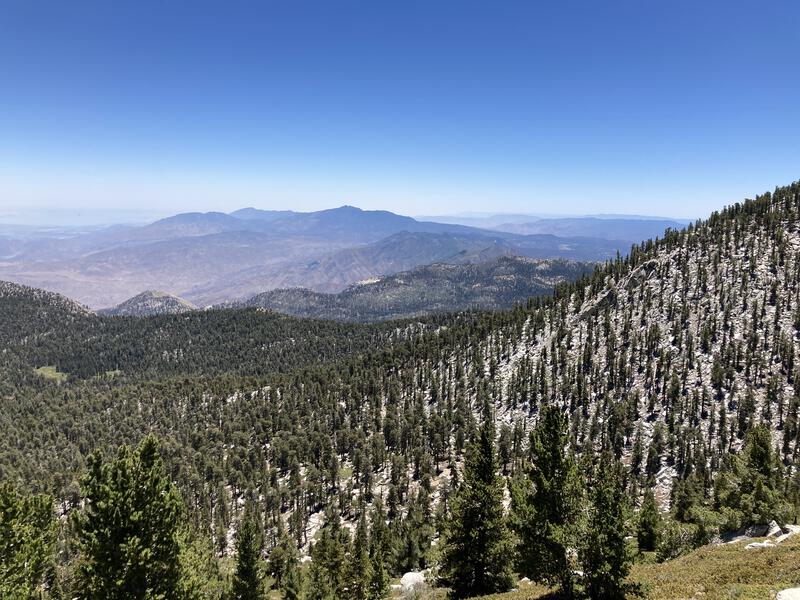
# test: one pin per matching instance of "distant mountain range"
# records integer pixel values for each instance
(210, 258)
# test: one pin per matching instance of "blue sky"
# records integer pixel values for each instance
(668, 108)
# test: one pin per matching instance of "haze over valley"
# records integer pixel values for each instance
(214, 258)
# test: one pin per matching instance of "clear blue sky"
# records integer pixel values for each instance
(643, 106)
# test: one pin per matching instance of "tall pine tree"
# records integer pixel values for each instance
(649, 523)
(604, 553)
(327, 576)
(547, 514)
(248, 580)
(359, 567)
(27, 538)
(477, 546)
(379, 541)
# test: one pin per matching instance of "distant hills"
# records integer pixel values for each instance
(495, 284)
(211, 258)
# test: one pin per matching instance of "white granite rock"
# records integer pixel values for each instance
(754, 545)
(411, 580)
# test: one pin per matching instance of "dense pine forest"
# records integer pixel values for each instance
(239, 453)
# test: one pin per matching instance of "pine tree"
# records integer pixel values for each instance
(292, 583)
(379, 540)
(548, 516)
(128, 530)
(476, 547)
(604, 555)
(282, 554)
(327, 579)
(649, 523)
(359, 565)
(27, 537)
(284, 565)
(248, 580)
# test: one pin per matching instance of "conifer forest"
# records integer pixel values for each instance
(647, 409)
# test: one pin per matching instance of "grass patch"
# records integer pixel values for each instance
(51, 373)
(723, 572)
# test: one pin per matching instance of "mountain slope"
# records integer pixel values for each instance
(669, 359)
(150, 303)
(26, 310)
(496, 284)
(39, 328)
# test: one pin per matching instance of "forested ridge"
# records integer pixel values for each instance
(496, 284)
(669, 376)
(42, 329)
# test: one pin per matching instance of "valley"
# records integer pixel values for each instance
(212, 258)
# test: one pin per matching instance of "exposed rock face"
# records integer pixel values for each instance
(412, 580)
(773, 529)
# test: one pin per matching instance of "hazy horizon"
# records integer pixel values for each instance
(77, 218)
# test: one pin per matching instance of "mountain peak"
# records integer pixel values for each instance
(148, 303)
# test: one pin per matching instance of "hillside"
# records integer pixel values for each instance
(150, 303)
(712, 572)
(496, 284)
(82, 345)
(672, 359)
(405, 251)
(679, 348)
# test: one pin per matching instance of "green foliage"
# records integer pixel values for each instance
(749, 491)
(360, 566)
(476, 554)
(379, 578)
(291, 586)
(649, 523)
(129, 529)
(284, 558)
(248, 580)
(27, 539)
(548, 518)
(672, 357)
(327, 579)
(203, 578)
(604, 553)
(412, 535)
(676, 539)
